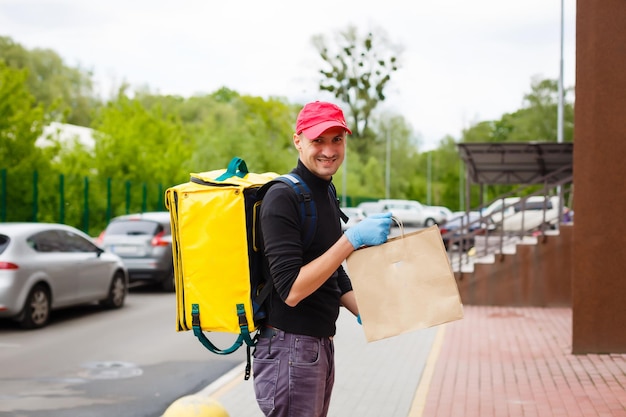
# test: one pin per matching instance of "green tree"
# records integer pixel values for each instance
(66, 93)
(143, 150)
(448, 186)
(357, 69)
(149, 142)
(394, 135)
(74, 177)
(21, 123)
(225, 124)
(536, 121)
(269, 127)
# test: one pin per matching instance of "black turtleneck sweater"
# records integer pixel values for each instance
(282, 237)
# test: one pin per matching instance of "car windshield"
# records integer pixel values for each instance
(134, 227)
(534, 205)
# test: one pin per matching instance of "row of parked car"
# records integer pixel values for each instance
(514, 214)
(408, 212)
(47, 266)
(510, 215)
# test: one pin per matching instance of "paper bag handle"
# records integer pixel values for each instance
(398, 255)
(400, 225)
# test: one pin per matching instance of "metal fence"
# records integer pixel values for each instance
(85, 202)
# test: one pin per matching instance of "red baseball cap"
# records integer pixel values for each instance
(316, 117)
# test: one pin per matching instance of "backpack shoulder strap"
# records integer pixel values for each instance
(308, 217)
(332, 191)
(308, 220)
(308, 211)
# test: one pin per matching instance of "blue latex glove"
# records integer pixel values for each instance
(371, 231)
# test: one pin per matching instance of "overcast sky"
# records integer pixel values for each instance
(463, 61)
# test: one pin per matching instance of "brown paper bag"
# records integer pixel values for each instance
(404, 284)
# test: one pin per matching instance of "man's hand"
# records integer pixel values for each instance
(371, 231)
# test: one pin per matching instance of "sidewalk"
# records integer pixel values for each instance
(497, 361)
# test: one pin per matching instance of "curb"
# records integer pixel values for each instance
(224, 383)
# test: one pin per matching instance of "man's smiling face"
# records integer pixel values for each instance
(322, 155)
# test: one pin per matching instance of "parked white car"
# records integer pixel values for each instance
(445, 211)
(413, 213)
(516, 215)
(499, 208)
(370, 207)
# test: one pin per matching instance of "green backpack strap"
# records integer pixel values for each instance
(236, 168)
(244, 335)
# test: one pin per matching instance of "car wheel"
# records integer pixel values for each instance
(169, 283)
(117, 292)
(430, 222)
(36, 311)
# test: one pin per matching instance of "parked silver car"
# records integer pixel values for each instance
(144, 242)
(46, 266)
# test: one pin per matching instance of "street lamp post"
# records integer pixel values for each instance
(344, 180)
(429, 177)
(559, 122)
(559, 129)
(388, 166)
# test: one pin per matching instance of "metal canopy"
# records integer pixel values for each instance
(517, 163)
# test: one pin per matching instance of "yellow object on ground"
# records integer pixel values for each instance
(195, 406)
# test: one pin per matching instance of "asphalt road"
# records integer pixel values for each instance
(90, 363)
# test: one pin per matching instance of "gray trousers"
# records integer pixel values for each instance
(293, 374)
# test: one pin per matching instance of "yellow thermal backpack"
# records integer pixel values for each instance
(219, 267)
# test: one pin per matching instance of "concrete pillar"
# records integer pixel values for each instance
(599, 253)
